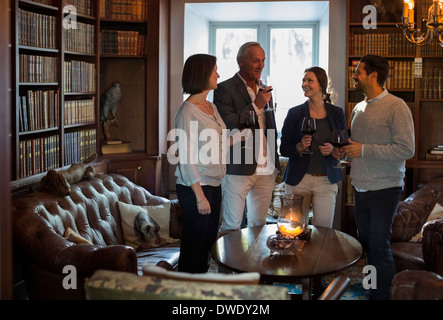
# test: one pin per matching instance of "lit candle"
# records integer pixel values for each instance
(410, 10)
(289, 231)
(405, 9)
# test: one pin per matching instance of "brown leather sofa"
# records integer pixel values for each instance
(91, 209)
(411, 216)
(417, 285)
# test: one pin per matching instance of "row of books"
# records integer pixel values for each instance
(123, 42)
(123, 9)
(79, 111)
(38, 110)
(36, 30)
(42, 154)
(38, 155)
(435, 153)
(432, 49)
(83, 7)
(81, 39)
(380, 43)
(437, 149)
(432, 83)
(401, 74)
(79, 76)
(79, 145)
(33, 68)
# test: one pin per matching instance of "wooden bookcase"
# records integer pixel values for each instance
(423, 95)
(60, 72)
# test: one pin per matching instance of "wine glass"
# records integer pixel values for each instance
(247, 120)
(308, 127)
(339, 139)
(268, 108)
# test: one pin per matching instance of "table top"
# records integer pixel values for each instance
(327, 252)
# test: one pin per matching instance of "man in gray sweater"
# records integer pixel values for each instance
(382, 139)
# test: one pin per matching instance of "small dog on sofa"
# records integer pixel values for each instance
(59, 182)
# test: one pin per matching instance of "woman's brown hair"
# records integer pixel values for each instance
(196, 73)
(322, 78)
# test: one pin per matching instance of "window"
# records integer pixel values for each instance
(290, 49)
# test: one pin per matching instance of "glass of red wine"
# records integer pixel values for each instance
(308, 127)
(247, 120)
(339, 139)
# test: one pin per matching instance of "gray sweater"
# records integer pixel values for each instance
(385, 126)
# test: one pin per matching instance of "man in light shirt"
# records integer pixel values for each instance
(250, 180)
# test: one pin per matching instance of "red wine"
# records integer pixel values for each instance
(338, 144)
(310, 132)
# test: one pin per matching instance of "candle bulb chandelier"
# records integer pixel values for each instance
(434, 23)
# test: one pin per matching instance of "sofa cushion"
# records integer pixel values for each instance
(145, 227)
(73, 236)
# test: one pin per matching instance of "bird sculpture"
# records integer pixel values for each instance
(109, 103)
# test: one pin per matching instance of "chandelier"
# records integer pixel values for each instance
(434, 23)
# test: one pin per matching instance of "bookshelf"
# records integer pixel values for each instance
(424, 95)
(65, 54)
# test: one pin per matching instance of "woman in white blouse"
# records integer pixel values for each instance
(201, 167)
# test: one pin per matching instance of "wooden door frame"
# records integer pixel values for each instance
(6, 277)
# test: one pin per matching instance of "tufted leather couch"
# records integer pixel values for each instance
(411, 215)
(40, 220)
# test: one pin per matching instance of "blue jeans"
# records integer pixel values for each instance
(199, 232)
(374, 213)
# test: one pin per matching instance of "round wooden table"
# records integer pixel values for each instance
(328, 251)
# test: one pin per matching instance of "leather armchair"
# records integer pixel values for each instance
(417, 285)
(411, 216)
(40, 220)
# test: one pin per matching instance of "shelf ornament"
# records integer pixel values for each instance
(109, 103)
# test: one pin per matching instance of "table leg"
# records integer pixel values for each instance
(306, 287)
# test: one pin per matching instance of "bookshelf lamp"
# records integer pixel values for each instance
(434, 23)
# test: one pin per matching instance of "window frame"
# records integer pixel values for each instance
(264, 35)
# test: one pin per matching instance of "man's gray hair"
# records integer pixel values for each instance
(242, 51)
